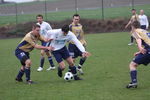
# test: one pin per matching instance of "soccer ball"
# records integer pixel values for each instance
(68, 76)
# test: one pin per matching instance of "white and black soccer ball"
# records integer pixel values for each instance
(68, 76)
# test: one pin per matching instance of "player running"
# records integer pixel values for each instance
(134, 17)
(143, 55)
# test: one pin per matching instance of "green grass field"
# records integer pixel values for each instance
(105, 78)
(109, 13)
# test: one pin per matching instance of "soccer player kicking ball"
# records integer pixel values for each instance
(28, 43)
(59, 39)
(76, 28)
(143, 55)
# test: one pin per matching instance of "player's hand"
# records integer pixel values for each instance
(86, 54)
(50, 48)
(135, 54)
(142, 50)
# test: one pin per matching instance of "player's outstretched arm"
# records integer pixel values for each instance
(139, 44)
(43, 47)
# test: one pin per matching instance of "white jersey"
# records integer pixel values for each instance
(60, 40)
(44, 28)
(143, 20)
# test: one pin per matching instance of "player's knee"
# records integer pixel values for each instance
(48, 54)
(42, 53)
(133, 66)
(28, 63)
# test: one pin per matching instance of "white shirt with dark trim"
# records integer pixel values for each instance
(44, 28)
(60, 40)
(143, 20)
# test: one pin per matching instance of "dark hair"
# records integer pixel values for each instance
(76, 15)
(35, 26)
(135, 24)
(133, 10)
(65, 28)
(39, 15)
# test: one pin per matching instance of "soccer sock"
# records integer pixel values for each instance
(27, 72)
(20, 74)
(51, 61)
(73, 70)
(42, 61)
(132, 39)
(133, 75)
(82, 60)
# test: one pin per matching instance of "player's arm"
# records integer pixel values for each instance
(41, 38)
(43, 47)
(147, 23)
(139, 43)
(128, 23)
(79, 46)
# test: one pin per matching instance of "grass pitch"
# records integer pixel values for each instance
(106, 73)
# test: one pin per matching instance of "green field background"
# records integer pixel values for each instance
(105, 78)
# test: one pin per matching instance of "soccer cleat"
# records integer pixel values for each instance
(130, 43)
(77, 78)
(18, 80)
(59, 72)
(80, 70)
(131, 85)
(51, 68)
(39, 69)
(30, 82)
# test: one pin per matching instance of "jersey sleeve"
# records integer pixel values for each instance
(136, 35)
(48, 27)
(30, 40)
(77, 43)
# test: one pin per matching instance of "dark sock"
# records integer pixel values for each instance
(132, 39)
(82, 60)
(42, 61)
(51, 61)
(20, 74)
(133, 75)
(27, 72)
(73, 70)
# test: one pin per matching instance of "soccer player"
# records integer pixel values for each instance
(28, 43)
(143, 20)
(143, 55)
(59, 39)
(76, 28)
(132, 19)
(44, 28)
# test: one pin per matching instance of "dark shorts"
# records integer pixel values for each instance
(74, 51)
(142, 58)
(45, 44)
(143, 27)
(22, 56)
(61, 54)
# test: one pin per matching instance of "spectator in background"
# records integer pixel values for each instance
(143, 20)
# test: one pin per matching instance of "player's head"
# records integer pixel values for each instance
(76, 18)
(36, 29)
(39, 18)
(135, 24)
(65, 29)
(133, 11)
(141, 12)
